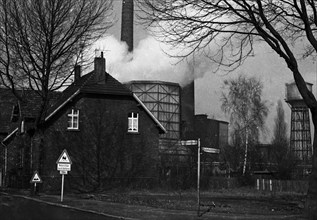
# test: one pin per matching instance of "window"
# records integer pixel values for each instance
(133, 122)
(73, 119)
(15, 113)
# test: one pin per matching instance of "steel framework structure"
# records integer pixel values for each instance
(163, 100)
(300, 137)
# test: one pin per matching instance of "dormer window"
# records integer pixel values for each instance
(15, 113)
(73, 120)
(133, 122)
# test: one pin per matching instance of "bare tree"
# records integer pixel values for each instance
(41, 41)
(242, 101)
(235, 25)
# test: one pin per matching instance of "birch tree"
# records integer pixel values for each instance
(242, 100)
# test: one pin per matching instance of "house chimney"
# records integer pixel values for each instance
(100, 67)
(77, 71)
(127, 23)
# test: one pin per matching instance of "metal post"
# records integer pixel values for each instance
(34, 188)
(5, 165)
(198, 177)
(62, 191)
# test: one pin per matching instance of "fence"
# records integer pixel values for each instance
(298, 186)
(207, 182)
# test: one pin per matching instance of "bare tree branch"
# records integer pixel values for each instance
(41, 41)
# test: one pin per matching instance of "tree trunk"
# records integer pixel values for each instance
(37, 151)
(245, 152)
(311, 201)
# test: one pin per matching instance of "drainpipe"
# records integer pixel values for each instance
(5, 162)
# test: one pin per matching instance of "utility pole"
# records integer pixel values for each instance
(198, 177)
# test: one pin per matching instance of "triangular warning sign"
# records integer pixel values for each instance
(36, 178)
(64, 158)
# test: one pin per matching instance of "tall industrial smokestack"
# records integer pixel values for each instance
(188, 110)
(127, 23)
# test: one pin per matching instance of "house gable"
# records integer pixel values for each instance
(106, 85)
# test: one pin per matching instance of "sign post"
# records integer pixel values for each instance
(198, 177)
(190, 143)
(63, 166)
(199, 150)
(35, 179)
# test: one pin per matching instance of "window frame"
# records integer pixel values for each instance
(73, 119)
(133, 122)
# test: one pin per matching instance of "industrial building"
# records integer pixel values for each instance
(174, 107)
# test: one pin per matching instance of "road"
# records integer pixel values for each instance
(16, 208)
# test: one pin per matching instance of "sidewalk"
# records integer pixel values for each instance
(125, 211)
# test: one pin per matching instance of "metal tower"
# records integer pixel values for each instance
(300, 135)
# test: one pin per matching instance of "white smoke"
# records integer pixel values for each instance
(149, 62)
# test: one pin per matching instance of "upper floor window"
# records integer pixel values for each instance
(133, 122)
(73, 119)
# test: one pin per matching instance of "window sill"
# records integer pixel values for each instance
(133, 132)
(73, 129)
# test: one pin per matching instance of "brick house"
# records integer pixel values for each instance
(108, 132)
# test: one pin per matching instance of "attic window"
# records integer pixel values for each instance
(15, 113)
(73, 120)
(133, 122)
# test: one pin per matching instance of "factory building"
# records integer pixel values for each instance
(174, 107)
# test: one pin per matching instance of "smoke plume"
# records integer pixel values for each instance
(148, 61)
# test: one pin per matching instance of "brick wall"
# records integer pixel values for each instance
(102, 148)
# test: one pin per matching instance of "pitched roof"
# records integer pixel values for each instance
(105, 85)
(89, 83)
(7, 101)
(28, 108)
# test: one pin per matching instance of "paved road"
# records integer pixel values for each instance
(16, 208)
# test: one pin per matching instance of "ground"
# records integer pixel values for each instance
(155, 204)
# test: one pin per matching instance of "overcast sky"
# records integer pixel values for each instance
(150, 63)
